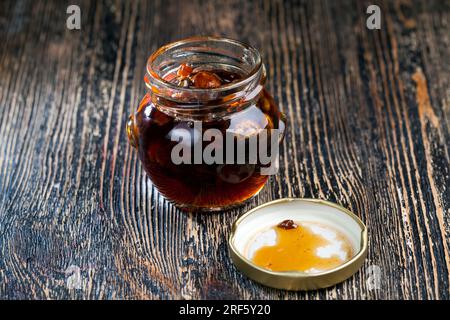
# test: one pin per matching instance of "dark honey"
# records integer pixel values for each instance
(217, 83)
(200, 186)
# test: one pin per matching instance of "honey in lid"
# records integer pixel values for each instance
(298, 244)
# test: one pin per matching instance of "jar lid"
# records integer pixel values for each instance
(244, 239)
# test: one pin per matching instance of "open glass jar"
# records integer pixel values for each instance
(203, 147)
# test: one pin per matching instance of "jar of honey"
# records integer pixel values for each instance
(207, 132)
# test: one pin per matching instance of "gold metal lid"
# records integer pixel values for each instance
(270, 214)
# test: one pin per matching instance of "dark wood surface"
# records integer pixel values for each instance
(369, 119)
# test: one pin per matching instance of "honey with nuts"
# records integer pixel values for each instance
(308, 247)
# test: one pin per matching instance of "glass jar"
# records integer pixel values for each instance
(174, 128)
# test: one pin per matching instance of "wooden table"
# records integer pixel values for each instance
(369, 119)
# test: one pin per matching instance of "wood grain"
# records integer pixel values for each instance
(369, 119)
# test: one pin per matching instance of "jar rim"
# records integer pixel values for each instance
(247, 78)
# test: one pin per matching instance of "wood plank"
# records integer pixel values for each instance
(369, 119)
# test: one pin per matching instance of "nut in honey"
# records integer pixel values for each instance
(307, 246)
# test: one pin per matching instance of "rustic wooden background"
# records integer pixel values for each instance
(369, 119)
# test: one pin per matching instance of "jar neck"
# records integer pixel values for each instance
(213, 53)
